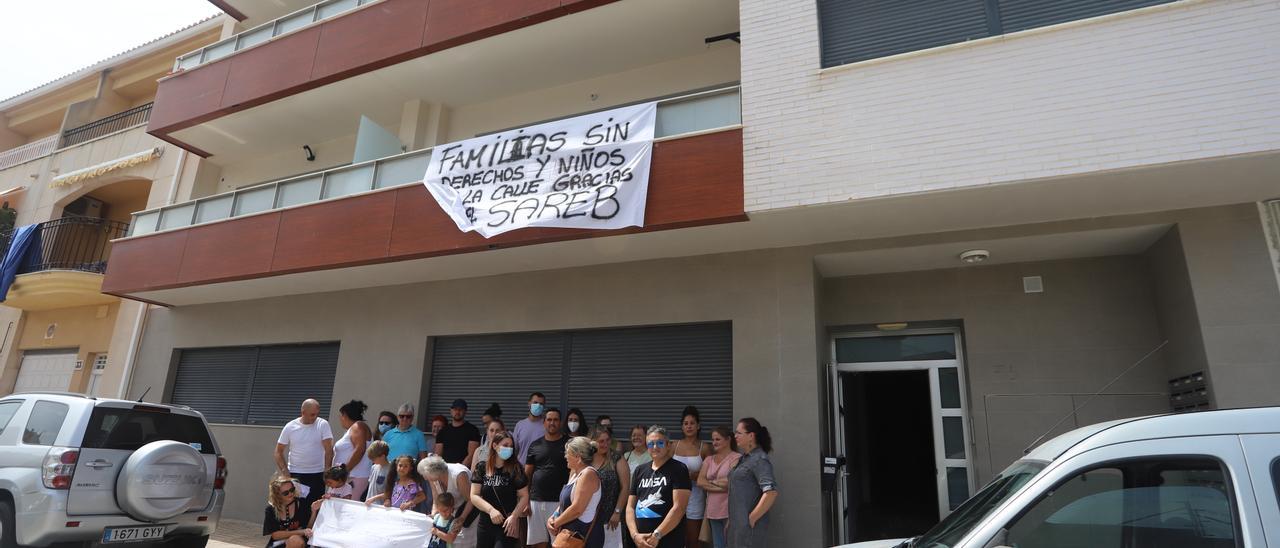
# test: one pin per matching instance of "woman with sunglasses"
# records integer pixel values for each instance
(285, 516)
(659, 496)
(752, 489)
(386, 421)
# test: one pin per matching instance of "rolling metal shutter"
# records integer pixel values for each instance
(857, 30)
(255, 385)
(1016, 15)
(640, 375)
(494, 368)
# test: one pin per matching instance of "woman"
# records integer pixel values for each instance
(386, 421)
(437, 424)
(714, 479)
(496, 426)
(752, 489)
(575, 423)
(455, 479)
(690, 451)
(614, 473)
(636, 457)
(580, 498)
(500, 490)
(350, 450)
(285, 516)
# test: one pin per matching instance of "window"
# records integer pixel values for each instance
(130, 429)
(1137, 504)
(44, 423)
(255, 384)
(857, 30)
(7, 410)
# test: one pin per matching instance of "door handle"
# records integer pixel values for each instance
(98, 463)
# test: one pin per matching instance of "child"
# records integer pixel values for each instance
(403, 488)
(442, 522)
(336, 487)
(378, 472)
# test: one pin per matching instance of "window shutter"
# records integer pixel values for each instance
(1019, 15)
(287, 375)
(857, 30)
(215, 382)
(494, 368)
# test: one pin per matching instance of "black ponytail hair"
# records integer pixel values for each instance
(337, 473)
(763, 439)
(354, 410)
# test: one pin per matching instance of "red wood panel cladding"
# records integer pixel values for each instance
(693, 181)
(372, 37)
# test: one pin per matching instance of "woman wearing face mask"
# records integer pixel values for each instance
(499, 490)
(714, 479)
(386, 421)
(691, 451)
(350, 450)
(495, 427)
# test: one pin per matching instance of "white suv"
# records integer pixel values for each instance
(75, 469)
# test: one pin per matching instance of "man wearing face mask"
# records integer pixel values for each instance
(530, 428)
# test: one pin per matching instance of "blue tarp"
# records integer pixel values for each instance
(19, 248)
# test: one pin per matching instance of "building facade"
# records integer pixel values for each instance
(918, 252)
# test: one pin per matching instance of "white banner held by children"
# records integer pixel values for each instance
(591, 171)
(349, 524)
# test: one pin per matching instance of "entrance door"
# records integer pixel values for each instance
(45, 370)
(901, 423)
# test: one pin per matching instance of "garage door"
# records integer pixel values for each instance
(46, 370)
(643, 375)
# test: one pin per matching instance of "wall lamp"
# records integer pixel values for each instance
(311, 156)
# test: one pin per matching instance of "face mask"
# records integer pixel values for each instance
(384, 428)
(536, 409)
(505, 452)
(573, 426)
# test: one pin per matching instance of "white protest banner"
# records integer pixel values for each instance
(591, 171)
(349, 524)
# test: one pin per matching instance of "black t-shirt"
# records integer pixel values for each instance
(654, 492)
(456, 439)
(500, 489)
(550, 470)
(271, 523)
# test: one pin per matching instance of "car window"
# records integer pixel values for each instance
(45, 423)
(7, 410)
(1135, 504)
(130, 429)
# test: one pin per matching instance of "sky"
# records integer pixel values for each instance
(43, 40)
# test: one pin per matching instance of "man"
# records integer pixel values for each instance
(548, 472)
(659, 496)
(304, 449)
(529, 428)
(405, 438)
(457, 441)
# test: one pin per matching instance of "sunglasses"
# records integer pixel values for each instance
(289, 492)
(385, 423)
(405, 416)
(656, 444)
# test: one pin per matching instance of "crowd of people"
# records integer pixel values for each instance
(546, 481)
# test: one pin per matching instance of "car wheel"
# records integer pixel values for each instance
(8, 535)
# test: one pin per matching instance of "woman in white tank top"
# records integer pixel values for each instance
(350, 449)
(580, 498)
(691, 452)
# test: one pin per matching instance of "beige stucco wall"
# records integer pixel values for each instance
(86, 328)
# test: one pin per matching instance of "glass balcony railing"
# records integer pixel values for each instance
(297, 20)
(681, 115)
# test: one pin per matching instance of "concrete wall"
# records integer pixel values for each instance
(1187, 80)
(1176, 306)
(1029, 358)
(769, 297)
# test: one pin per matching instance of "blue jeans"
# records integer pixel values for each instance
(717, 532)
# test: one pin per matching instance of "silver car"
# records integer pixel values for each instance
(75, 469)
(1209, 479)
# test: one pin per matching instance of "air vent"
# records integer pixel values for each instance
(1032, 284)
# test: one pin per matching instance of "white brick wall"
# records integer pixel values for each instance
(1189, 80)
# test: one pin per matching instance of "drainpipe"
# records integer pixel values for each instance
(135, 340)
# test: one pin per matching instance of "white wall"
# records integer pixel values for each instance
(1188, 80)
(337, 152)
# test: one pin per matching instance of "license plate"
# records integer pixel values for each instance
(132, 534)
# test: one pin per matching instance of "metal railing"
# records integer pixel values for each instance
(106, 126)
(300, 19)
(678, 115)
(70, 243)
(28, 152)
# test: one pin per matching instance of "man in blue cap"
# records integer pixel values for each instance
(459, 439)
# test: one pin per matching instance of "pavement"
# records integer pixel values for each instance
(236, 534)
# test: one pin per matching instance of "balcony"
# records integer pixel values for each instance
(106, 126)
(377, 213)
(30, 151)
(298, 20)
(64, 264)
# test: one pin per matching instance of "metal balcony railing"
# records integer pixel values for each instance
(297, 20)
(106, 126)
(28, 152)
(70, 243)
(685, 114)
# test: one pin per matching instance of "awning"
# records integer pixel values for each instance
(106, 167)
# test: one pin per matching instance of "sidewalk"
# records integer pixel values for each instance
(235, 534)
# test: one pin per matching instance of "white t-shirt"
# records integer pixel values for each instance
(306, 447)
